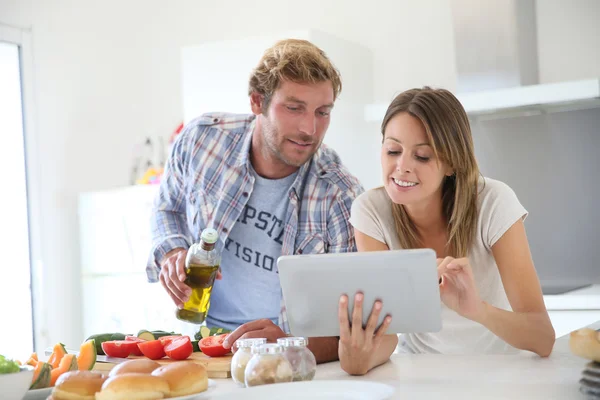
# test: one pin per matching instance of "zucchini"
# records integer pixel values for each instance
(104, 337)
(218, 331)
(195, 346)
(159, 334)
(154, 335)
(146, 335)
(206, 332)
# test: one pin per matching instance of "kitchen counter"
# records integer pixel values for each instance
(587, 298)
(431, 376)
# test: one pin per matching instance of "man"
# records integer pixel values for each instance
(268, 186)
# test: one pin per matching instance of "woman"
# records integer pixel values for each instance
(434, 197)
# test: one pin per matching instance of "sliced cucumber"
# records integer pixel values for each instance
(146, 335)
(204, 332)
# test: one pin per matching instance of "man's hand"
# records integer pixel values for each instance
(262, 328)
(172, 275)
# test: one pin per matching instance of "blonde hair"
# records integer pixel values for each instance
(293, 60)
(449, 134)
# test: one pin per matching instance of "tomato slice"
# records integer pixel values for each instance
(119, 348)
(134, 339)
(153, 349)
(179, 348)
(212, 346)
(165, 340)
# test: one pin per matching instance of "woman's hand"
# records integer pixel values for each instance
(457, 288)
(358, 346)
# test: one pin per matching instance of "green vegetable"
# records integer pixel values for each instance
(206, 332)
(8, 366)
(153, 335)
(104, 337)
(195, 346)
(146, 335)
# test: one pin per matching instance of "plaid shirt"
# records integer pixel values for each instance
(207, 183)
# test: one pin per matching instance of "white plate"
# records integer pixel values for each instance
(331, 390)
(204, 395)
(42, 394)
(38, 394)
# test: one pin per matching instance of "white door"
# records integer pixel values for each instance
(16, 313)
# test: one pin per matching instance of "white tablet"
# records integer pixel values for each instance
(404, 280)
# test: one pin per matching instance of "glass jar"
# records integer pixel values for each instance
(302, 360)
(241, 357)
(267, 365)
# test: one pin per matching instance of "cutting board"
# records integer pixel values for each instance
(216, 367)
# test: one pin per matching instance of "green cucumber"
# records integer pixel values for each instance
(218, 331)
(154, 335)
(195, 346)
(146, 335)
(104, 337)
(206, 332)
(159, 334)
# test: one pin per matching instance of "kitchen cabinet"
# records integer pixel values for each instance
(115, 240)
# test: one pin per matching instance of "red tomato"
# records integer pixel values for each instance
(212, 346)
(153, 349)
(135, 339)
(119, 348)
(179, 348)
(165, 340)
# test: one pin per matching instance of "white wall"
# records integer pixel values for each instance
(568, 39)
(107, 74)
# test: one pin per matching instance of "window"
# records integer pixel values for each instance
(16, 312)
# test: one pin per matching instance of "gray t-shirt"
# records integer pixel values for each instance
(498, 209)
(250, 286)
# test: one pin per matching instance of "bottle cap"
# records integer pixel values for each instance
(209, 236)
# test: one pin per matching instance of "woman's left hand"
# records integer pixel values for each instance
(457, 287)
(358, 345)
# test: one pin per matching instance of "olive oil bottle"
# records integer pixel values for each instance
(201, 267)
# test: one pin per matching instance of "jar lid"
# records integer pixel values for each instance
(293, 341)
(245, 343)
(267, 348)
(209, 236)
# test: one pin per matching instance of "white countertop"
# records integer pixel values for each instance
(432, 376)
(587, 298)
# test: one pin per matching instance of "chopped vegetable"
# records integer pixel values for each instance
(8, 366)
(212, 346)
(180, 348)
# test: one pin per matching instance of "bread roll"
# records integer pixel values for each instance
(585, 343)
(134, 386)
(140, 365)
(78, 385)
(184, 377)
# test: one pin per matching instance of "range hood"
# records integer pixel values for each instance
(497, 64)
(519, 101)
